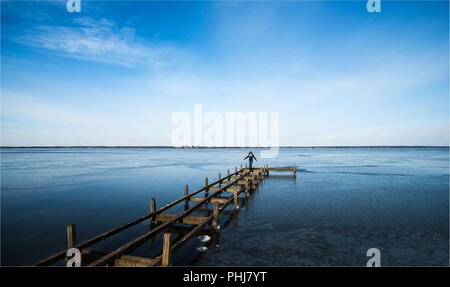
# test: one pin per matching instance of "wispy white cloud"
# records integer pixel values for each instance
(98, 41)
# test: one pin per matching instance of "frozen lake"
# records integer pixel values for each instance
(342, 202)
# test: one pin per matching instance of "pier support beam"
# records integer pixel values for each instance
(206, 187)
(167, 250)
(186, 192)
(71, 235)
(152, 208)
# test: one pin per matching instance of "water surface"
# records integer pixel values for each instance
(342, 202)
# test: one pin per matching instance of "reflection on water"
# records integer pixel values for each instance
(342, 202)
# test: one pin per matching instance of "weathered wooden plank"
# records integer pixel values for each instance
(254, 172)
(183, 229)
(165, 217)
(209, 211)
(143, 260)
(236, 177)
(213, 200)
(89, 255)
(228, 189)
(241, 182)
(234, 189)
(133, 261)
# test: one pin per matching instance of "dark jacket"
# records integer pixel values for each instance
(250, 158)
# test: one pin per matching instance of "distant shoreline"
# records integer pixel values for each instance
(205, 147)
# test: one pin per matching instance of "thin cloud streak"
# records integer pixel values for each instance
(97, 41)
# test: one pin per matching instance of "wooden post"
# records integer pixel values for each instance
(206, 186)
(228, 172)
(246, 165)
(295, 170)
(241, 166)
(215, 223)
(235, 200)
(186, 192)
(235, 169)
(71, 235)
(167, 250)
(219, 181)
(267, 169)
(152, 239)
(152, 208)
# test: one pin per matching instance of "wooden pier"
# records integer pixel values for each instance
(227, 190)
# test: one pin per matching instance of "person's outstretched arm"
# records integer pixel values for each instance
(254, 157)
(245, 158)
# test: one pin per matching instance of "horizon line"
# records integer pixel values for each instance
(222, 147)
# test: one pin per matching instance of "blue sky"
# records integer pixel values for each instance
(115, 73)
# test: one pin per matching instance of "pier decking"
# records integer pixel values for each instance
(225, 191)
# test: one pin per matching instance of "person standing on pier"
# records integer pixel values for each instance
(250, 159)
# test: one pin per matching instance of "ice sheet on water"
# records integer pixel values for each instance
(43, 190)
